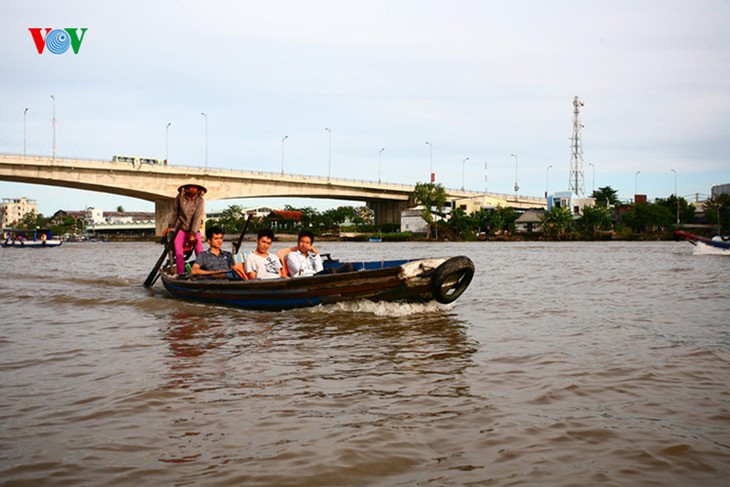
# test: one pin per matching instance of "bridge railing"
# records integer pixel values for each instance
(278, 175)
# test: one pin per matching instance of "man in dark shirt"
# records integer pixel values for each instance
(215, 262)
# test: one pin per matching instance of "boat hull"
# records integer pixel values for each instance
(415, 281)
(31, 244)
(692, 238)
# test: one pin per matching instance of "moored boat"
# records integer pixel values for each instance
(413, 281)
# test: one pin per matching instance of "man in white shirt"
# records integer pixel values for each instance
(305, 261)
(260, 264)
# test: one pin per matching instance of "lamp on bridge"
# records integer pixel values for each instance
(379, 152)
(54, 126)
(206, 139)
(431, 175)
(282, 153)
(167, 140)
(25, 112)
(463, 163)
(517, 186)
(547, 175)
(329, 164)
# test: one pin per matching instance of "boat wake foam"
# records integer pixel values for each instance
(704, 249)
(382, 308)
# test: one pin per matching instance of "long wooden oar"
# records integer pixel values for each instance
(152, 277)
(237, 244)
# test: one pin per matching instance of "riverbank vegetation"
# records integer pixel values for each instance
(608, 219)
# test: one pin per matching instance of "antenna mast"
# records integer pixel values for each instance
(577, 181)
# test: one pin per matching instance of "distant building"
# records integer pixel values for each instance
(411, 220)
(285, 219)
(719, 189)
(530, 221)
(110, 223)
(256, 212)
(569, 200)
(259, 211)
(12, 210)
(471, 205)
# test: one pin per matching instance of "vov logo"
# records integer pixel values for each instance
(57, 40)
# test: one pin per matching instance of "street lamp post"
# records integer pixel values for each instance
(329, 163)
(53, 123)
(676, 196)
(636, 184)
(379, 152)
(25, 113)
(517, 186)
(206, 139)
(486, 178)
(594, 176)
(547, 175)
(282, 153)
(463, 163)
(167, 140)
(430, 171)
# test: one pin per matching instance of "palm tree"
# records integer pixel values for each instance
(556, 221)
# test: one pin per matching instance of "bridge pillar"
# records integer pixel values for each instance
(387, 211)
(163, 213)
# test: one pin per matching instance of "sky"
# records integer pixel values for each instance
(477, 79)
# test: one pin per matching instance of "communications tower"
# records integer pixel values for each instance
(577, 181)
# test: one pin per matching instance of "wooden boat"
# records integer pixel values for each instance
(716, 242)
(413, 281)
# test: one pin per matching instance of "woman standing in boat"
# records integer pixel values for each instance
(187, 218)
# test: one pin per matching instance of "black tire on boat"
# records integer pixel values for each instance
(451, 279)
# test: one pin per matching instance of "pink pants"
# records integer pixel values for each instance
(180, 238)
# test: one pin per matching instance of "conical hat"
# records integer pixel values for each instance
(201, 188)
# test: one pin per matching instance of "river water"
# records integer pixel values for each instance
(562, 364)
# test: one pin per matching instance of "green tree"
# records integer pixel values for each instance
(713, 205)
(606, 196)
(686, 211)
(32, 220)
(555, 223)
(594, 218)
(494, 220)
(649, 217)
(232, 219)
(462, 225)
(363, 216)
(311, 218)
(508, 216)
(337, 216)
(432, 197)
(120, 209)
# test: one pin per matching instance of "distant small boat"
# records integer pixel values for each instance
(375, 239)
(411, 281)
(26, 239)
(716, 242)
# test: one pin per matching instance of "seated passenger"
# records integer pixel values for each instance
(217, 263)
(260, 264)
(305, 260)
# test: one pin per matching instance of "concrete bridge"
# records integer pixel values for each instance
(159, 183)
